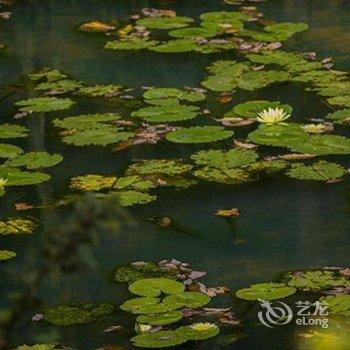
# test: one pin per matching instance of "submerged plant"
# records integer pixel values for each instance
(272, 116)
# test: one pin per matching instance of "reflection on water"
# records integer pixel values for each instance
(283, 225)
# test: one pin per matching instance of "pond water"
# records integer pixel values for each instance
(284, 224)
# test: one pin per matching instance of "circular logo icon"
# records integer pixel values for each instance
(274, 315)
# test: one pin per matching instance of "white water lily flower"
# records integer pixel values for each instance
(203, 326)
(272, 116)
(3, 182)
(314, 128)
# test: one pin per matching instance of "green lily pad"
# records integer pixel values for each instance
(159, 339)
(78, 313)
(59, 87)
(134, 182)
(160, 319)
(86, 121)
(165, 93)
(7, 255)
(173, 46)
(231, 159)
(17, 226)
(44, 104)
(279, 135)
(153, 287)
(164, 22)
(339, 117)
(170, 167)
(164, 114)
(251, 109)
(48, 74)
(11, 131)
(321, 171)
(137, 305)
(100, 90)
(265, 291)
(93, 183)
(314, 280)
(193, 32)
(187, 299)
(131, 197)
(9, 151)
(199, 134)
(101, 136)
(343, 101)
(130, 44)
(228, 176)
(17, 177)
(198, 331)
(282, 31)
(321, 145)
(38, 347)
(35, 160)
(338, 304)
(224, 16)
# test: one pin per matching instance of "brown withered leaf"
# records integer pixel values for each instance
(235, 121)
(23, 206)
(296, 156)
(244, 145)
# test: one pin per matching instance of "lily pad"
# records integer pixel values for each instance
(279, 135)
(159, 339)
(314, 280)
(100, 90)
(9, 151)
(137, 305)
(193, 32)
(44, 104)
(11, 131)
(199, 331)
(92, 183)
(199, 134)
(165, 93)
(338, 304)
(153, 287)
(130, 44)
(228, 176)
(282, 31)
(187, 299)
(59, 87)
(251, 109)
(321, 145)
(48, 74)
(130, 198)
(265, 291)
(38, 347)
(161, 319)
(164, 114)
(17, 177)
(78, 313)
(321, 171)
(339, 117)
(7, 255)
(224, 16)
(173, 46)
(17, 226)
(35, 160)
(164, 22)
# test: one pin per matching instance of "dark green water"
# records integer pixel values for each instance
(285, 224)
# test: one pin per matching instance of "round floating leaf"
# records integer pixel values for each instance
(338, 304)
(48, 74)
(59, 87)
(199, 331)
(153, 287)
(11, 131)
(165, 93)
(340, 117)
(199, 134)
(169, 167)
(100, 90)
(164, 114)
(101, 136)
(35, 160)
(193, 32)
(134, 182)
(130, 198)
(136, 305)
(265, 291)
(130, 44)
(9, 151)
(228, 176)
(161, 319)
(92, 183)
(279, 135)
(38, 347)
(159, 339)
(224, 16)
(321, 145)
(343, 101)
(164, 22)
(173, 46)
(7, 255)
(17, 227)
(44, 104)
(187, 299)
(251, 109)
(78, 313)
(314, 280)
(17, 177)
(321, 171)
(286, 29)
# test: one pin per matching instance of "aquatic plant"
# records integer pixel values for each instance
(35, 160)
(338, 304)
(7, 255)
(152, 287)
(12, 131)
(9, 151)
(44, 104)
(272, 116)
(17, 226)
